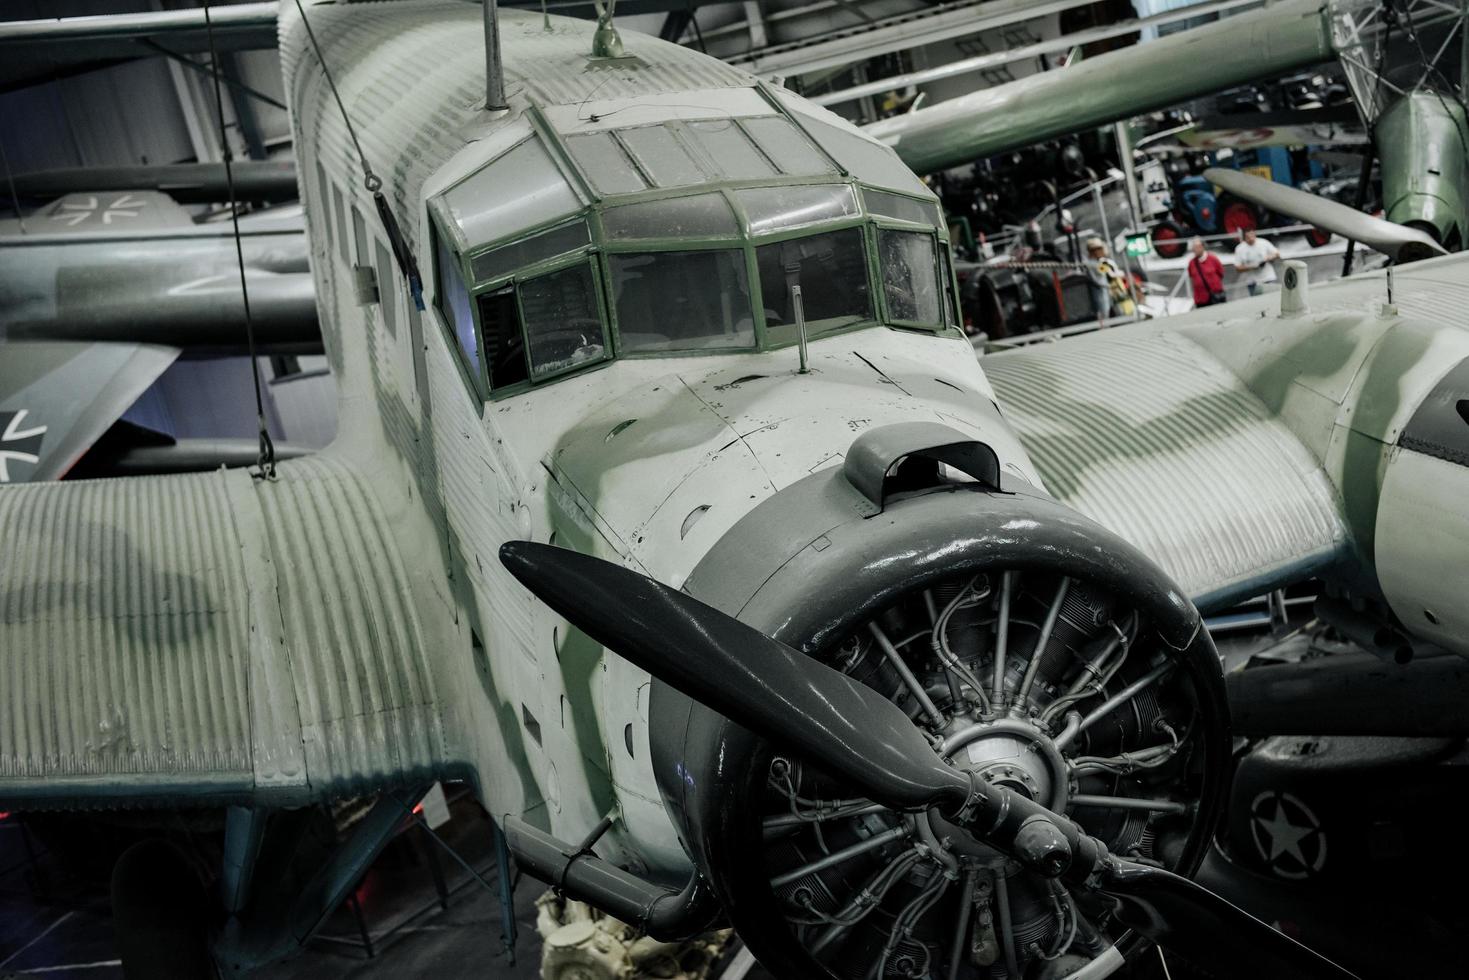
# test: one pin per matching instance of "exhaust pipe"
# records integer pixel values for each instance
(665, 914)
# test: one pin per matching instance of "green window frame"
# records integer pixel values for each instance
(476, 381)
(513, 284)
(785, 334)
(580, 239)
(889, 315)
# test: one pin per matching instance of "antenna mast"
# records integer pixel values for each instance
(494, 66)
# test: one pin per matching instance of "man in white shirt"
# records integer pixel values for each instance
(1252, 258)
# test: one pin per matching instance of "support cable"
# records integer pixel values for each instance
(14, 197)
(265, 461)
(371, 181)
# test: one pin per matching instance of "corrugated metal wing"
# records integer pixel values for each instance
(209, 638)
(1143, 431)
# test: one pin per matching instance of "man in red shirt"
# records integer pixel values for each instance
(1206, 273)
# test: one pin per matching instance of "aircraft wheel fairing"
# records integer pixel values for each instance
(821, 882)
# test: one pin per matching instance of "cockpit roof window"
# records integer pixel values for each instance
(519, 190)
(606, 164)
(787, 147)
(661, 156)
(870, 162)
(696, 151)
(731, 151)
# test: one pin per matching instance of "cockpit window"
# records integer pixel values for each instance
(506, 259)
(521, 189)
(499, 321)
(946, 286)
(730, 149)
(787, 147)
(831, 270)
(910, 284)
(452, 299)
(862, 158)
(793, 205)
(573, 257)
(562, 325)
(605, 163)
(661, 156)
(695, 216)
(682, 301)
(900, 207)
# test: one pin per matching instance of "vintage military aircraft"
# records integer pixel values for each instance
(87, 271)
(889, 658)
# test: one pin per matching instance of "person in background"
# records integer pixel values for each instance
(1096, 251)
(1206, 274)
(1252, 258)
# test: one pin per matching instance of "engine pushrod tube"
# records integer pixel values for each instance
(783, 820)
(837, 857)
(1129, 803)
(961, 929)
(1002, 636)
(901, 666)
(1121, 697)
(1034, 666)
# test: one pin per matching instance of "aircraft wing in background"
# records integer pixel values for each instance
(58, 398)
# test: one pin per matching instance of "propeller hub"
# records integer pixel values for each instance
(1010, 753)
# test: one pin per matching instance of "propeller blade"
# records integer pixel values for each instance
(856, 733)
(1402, 243)
(771, 689)
(1194, 922)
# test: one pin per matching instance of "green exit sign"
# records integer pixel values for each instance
(1139, 244)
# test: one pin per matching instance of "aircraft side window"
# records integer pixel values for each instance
(387, 291)
(830, 268)
(499, 321)
(325, 189)
(344, 241)
(359, 236)
(452, 300)
(563, 327)
(909, 268)
(682, 300)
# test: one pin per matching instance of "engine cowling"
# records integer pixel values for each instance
(1108, 705)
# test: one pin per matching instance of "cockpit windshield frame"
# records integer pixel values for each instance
(833, 202)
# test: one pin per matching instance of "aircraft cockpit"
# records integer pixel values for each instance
(589, 240)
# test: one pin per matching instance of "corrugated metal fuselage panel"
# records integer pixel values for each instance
(412, 78)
